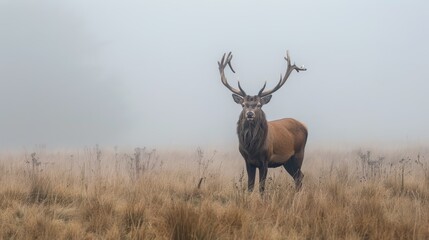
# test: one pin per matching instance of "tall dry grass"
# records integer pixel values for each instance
(98, 193)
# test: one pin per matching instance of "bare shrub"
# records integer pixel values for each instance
(371, 168)
(34, 161)
(203, 164)
(404, 163)
(424, 166)
(142, 161)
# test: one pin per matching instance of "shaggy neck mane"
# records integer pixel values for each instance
(252, 134)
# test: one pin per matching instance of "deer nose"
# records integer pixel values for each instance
(250, 114)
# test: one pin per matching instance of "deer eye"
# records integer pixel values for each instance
(259, 104)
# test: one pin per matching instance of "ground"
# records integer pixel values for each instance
(103, 193)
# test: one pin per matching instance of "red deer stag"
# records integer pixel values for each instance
(266, 144)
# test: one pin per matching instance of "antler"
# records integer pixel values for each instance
(222, 64)
(282, 81)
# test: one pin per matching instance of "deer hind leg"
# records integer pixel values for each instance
(293, 167)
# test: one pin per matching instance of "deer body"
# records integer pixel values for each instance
(273, 144)
(266, 144)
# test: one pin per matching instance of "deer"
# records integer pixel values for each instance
(267, 144)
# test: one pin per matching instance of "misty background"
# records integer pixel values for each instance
(144, 73)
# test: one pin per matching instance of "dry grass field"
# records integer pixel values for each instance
(100, 193)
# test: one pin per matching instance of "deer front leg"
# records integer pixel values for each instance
(251, 172)
(263, 170)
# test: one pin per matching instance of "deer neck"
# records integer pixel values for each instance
(252, 134)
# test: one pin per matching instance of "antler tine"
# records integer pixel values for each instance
(230, 66)
(222, 64)
(282, 81)
(262, 89)
(241, 89)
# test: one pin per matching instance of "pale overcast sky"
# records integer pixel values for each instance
(128, 73)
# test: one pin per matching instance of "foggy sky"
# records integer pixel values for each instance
(130, 73)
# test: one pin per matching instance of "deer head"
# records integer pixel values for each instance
(252, 105)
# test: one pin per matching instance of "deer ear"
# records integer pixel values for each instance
(238, 99)
(266, 99)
